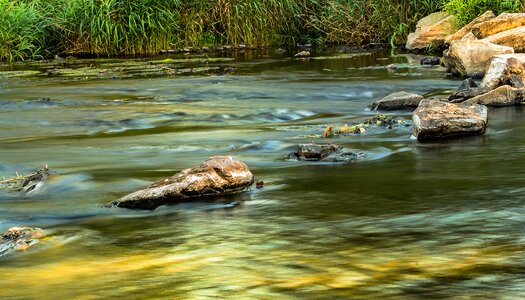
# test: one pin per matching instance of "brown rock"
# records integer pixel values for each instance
(458, 35)
(471, 57)
(216, 176)
(437, 119)
(399, 100)
(328, 133)
(504, 21)
(504, 95)
(19, 238)
(501, 68)
(514, 38)
(431, 31)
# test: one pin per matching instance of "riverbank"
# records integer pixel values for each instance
(38, 29)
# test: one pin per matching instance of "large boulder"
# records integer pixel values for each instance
(322, 153)
(437, 119)
(503, 22)
(502, 68)
(399, 100)
(514, 38)
(458, 35)
(216, 176)
(19, 238)
(504, 95)
(471, 57)
(431, 31)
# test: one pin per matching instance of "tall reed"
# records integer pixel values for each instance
(33, 28)
(22, 30)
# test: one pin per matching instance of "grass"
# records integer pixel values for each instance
(466, 10)
(37, 28)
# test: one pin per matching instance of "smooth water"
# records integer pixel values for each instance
(410, 220)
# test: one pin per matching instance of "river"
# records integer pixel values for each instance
(438, 220)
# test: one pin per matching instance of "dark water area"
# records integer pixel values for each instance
(408, 221)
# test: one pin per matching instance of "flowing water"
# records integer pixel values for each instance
(409, 220)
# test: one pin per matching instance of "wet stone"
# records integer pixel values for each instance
(466, 90)
(19, 238)
(436, 119)
(399, 100)
(216, 176)
(430, 61)
(322, 153)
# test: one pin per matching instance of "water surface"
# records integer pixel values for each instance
(409, 220)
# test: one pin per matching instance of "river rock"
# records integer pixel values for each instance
(431, 31)
(458, 35)
(399, 100)
(216, 176)
(504, 95)
(502, 68)
(514, 38)
(430, 61)
(471, 57)
(322, 153)
(437, 119)
(19, 238)
(503, 22)
(466, 90)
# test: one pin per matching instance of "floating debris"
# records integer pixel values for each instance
(379, 120)
(24, 183)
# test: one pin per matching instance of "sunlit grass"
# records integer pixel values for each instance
(36, 28)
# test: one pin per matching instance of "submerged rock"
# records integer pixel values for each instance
(471, 57)
(504, 95)
(431, 31)
(399, 100)
(437, 119)
(19, 238)
(303, 54)
(322, 153)
(216, 176)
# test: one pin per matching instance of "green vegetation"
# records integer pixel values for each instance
(468, 10)
(38, 28)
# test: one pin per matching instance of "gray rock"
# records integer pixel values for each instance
(466, 90)
(431, 61)
(216, 176)
(436, 119)
(322, 153)
(19, 238)
(504, 95)
(399, 100)
(516, 81)
(501, 68)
